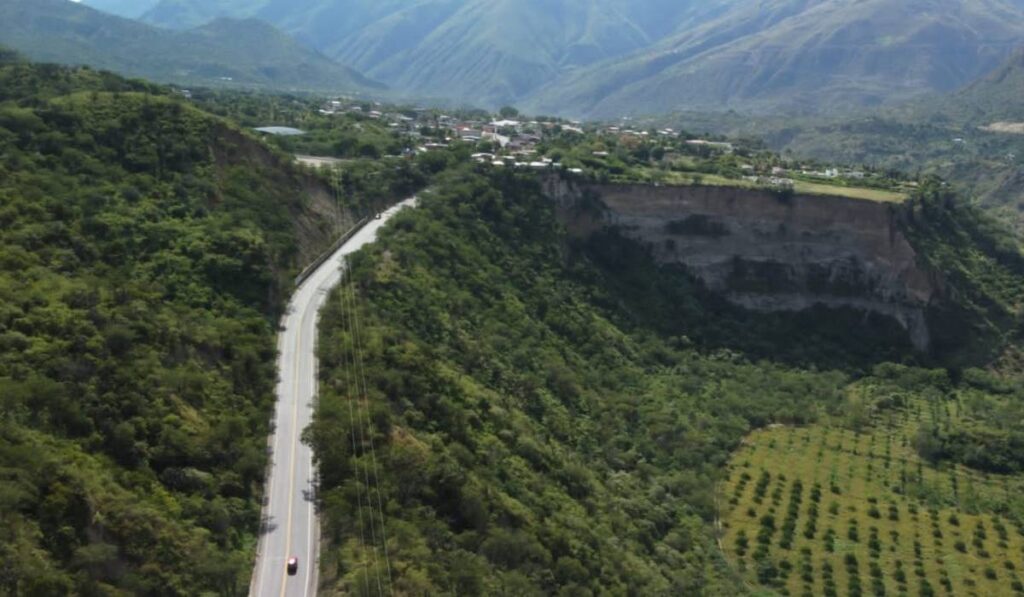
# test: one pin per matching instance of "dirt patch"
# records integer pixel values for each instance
(316, 216)
(1013, 128)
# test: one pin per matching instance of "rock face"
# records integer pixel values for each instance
(766, 251)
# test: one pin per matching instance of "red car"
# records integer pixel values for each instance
(293, 566)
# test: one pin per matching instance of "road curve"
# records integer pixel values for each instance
(290, 526)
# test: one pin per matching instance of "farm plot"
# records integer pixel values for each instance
(825, 510)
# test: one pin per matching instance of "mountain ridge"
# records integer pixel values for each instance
(481, 51)
(242, 52)
(801, 56)
(608, 58)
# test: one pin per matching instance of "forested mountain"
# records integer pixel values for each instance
(224, 51)
(145, 250)
(611, 57)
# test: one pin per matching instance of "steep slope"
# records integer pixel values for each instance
(249, 53)
(994, 97)
(800, 55)
(145, 249)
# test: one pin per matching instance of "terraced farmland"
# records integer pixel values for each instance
(825, 510)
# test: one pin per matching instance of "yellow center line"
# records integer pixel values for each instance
(291, 469)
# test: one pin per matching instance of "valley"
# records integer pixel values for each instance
(759, 333)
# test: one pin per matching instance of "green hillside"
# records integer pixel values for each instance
(540, 415)
(548, 417)
(995, 97)
(145, 250)
(224, 52)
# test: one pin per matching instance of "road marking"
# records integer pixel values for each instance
(366, 235)
(312, 472)
(291, 466)
(265, 539)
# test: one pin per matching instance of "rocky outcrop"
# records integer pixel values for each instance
(767, 251)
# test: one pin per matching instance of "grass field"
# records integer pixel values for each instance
(800, 186)
(831, 511)
(869, 194)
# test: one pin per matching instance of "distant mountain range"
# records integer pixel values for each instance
(241, 52)
(583, 58)
(603, 58)
(803, 56)
(485, 52)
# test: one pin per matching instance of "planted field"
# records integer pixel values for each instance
(825, 510)
(867, 193)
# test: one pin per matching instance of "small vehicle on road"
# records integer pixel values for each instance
(293, 566)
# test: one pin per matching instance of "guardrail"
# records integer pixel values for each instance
(327, 255)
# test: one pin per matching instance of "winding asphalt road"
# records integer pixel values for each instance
(289, 516)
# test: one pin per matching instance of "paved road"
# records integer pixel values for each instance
(290, 520)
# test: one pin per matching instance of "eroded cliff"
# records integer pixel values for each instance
(767, 251)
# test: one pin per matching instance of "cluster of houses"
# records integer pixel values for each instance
(513, 141)
(521, 159)
(781, 177)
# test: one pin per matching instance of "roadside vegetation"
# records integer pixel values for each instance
(146, 248)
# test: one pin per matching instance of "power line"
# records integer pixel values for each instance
(373, 450)
(352, 386)
(348, 291)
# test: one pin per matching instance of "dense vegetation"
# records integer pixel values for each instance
(541, 416)
(550, 418)
(980, 263)
(144, 250)
(554, 418)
